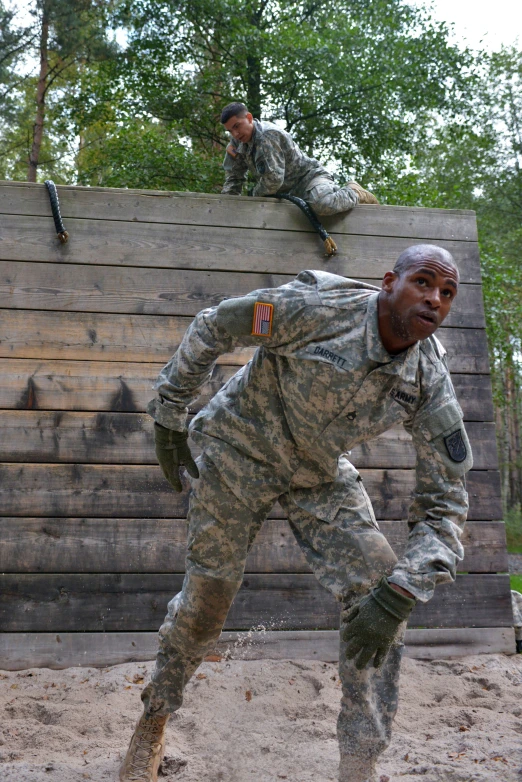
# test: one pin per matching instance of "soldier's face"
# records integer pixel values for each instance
(241, 128)
(420, 299)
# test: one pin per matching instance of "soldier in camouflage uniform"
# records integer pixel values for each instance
(277, 164)
(337, 363)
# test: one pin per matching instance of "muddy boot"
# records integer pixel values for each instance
(145, 751)
(365, 197)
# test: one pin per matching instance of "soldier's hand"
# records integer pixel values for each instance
(173, 452)
(373, 624)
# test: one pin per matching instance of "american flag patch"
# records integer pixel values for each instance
(262, 322)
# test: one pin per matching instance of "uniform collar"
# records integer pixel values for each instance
(258, 130)
(404, 364)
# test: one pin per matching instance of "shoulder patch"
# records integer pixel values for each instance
(232, 150)
(262, 320)
(456, 446)
(260, 167)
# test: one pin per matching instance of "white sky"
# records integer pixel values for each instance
(481, 24)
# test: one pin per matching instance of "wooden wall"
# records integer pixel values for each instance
(92, 537)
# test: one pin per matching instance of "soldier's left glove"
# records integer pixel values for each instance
(374, 622)
(173, 452)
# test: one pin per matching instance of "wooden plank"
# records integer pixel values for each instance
(202, 247)
(140, 291)
(19, 651)
(127, 438)
(144, 338)
(124, 602)
(85, 545)
(474, 395)
(203, 209)
(104, 386)
(140, 491)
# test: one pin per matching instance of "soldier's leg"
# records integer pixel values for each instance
(327, 198)
(349, 555)
(220, 532)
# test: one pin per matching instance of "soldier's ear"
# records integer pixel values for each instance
(250, 117)
(388, 281)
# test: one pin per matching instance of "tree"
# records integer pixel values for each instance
(475, 162)
(65, 37)
(343, 77)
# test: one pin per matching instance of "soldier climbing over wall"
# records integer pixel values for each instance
(337, 363)
(278, 165)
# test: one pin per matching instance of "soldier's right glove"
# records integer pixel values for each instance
(173, 452)
(374, 622)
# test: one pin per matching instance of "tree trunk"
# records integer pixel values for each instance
(254, 85)
(40, 99)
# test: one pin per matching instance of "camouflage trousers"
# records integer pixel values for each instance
(348, 555)
(327, 198)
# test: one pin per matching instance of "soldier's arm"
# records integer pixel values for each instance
(440, 501)
(235, 170)
(270, 165)
(262, 318)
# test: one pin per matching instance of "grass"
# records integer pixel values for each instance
(516, 583)
(513, 520)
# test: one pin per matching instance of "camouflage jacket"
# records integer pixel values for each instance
(274, 160)
(320, 382)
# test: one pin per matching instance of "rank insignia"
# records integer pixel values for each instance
(456, 446)
(262, 321)
(232, 150)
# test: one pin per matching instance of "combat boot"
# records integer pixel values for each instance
(146, 749)
(365, 197)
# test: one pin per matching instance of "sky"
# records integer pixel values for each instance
(481, 24)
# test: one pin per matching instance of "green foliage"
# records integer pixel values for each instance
(141, 154)
(513, 522)
(516, 583)
(343, 77)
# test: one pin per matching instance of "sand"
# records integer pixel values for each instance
(261, 721)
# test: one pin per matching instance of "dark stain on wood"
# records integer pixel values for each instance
(123, 400)
(28, 399)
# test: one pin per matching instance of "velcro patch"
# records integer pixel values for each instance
(262, 320)
(260, 167)
(456, 446)
(232, 150)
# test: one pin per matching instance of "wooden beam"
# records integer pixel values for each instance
(127, 438)
(123, 491)
(104, 386)
(204, 247)
(138, 602)
(72, 287)
(149, 338)
(86, 545)
(149, 206)
(19, 651)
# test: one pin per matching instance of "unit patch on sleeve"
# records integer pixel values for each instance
(232, 150)
(262, 321)
(456, 446)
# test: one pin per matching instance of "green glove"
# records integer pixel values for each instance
(172, 452)
(374, 622)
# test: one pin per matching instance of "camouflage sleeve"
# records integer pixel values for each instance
(440, 502)
(270, 165)
(235, 171)
(270, 317)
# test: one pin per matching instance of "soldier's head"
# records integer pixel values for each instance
(416, 296)
(238, 121)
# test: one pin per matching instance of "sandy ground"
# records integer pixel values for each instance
(261, 721)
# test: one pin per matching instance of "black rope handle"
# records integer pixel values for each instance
(63, 236)
(329, 244)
